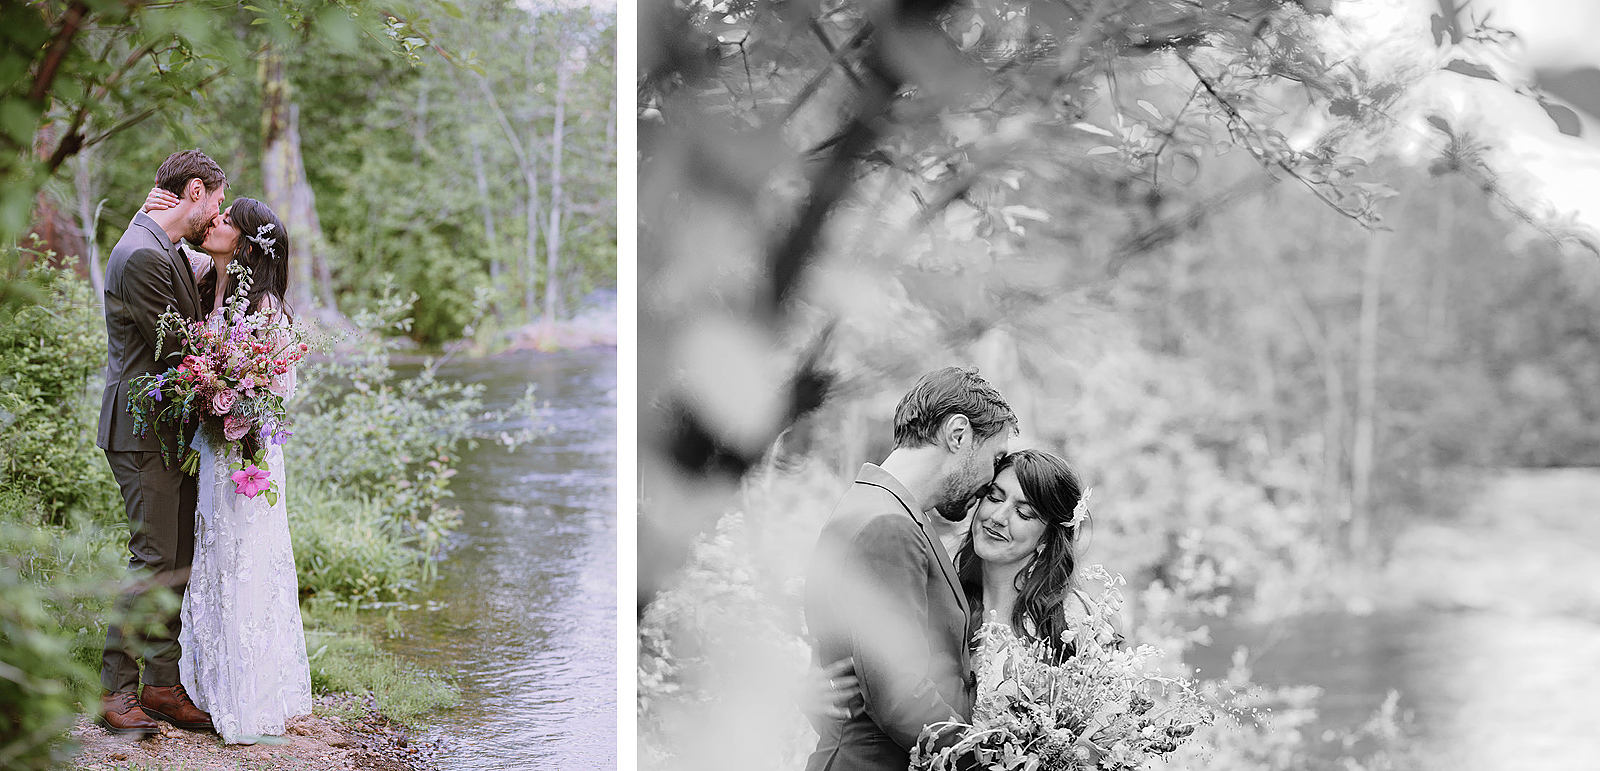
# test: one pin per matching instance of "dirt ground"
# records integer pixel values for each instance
(344, 732)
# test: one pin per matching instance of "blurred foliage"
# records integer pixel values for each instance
(1264, 383)
(837, 198)
(77, 73)
(394, 128)
(57, 585)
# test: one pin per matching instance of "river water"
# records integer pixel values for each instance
(1488, 690)
(529, 627)
(1488, 626)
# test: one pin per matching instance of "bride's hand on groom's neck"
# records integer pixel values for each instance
(158, 199)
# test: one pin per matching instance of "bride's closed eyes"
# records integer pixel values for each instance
(996, 495)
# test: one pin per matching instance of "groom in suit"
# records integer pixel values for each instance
(880, 587)
(146, 275)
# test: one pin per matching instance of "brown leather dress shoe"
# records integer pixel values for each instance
(120, 714)
(172, 704)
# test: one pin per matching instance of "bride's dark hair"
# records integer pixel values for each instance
(1053, 489)
(269, 272)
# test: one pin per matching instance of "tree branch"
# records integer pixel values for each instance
(1233, 112)
(70, 24)
(836, 58)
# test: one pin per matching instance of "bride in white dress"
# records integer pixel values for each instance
(243, 643)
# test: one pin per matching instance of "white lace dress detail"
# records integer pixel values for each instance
(243, 642)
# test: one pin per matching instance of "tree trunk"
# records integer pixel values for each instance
(488, 211)
(552, 234)
(530, 299)
(286, 191)
(1365, 440)
(86, 190)
(530, 175)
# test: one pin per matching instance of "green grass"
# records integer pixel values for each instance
(345, 658)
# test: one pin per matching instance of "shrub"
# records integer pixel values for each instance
(362, 427)
(52, 359)
(349, 548)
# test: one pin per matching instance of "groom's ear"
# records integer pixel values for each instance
(194, 190)
(956, 433)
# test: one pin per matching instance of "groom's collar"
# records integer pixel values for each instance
(149, 223)
(873, 474)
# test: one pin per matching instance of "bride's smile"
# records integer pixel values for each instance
(1007, 529)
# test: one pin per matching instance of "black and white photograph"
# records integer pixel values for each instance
(1118, 384)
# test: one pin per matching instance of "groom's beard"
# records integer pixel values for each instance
(198, 228)
(952, 510)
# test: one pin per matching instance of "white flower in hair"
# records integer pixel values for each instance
(261, 240)
(1081, 511)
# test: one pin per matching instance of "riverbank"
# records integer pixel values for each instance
(1529, 547)
(1486, 624)
(344, 731)
(1516, 582)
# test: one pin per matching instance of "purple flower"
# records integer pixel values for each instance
(155, 393)
(281, 436)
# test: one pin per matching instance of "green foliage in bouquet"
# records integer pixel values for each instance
(1100, 706)
(232, 381)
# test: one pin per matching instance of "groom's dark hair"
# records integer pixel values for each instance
(945, 392)
(180, 167)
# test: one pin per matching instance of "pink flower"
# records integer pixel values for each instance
(248, 383)
(251, 480)
(235, 427)
(222, 402)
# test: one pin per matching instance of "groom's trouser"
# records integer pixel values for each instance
(160, 503)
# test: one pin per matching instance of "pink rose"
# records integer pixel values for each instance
(235, 427)
(222, 402)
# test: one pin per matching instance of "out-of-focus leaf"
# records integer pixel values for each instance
(1565, 118)
(1463, 67)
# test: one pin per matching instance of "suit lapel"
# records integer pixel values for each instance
(182, 264)
(931, 544)
(187, 289)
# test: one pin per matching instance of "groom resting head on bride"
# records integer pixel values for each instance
(880, 589)
(146, 275)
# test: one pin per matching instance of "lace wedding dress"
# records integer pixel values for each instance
(244, 648)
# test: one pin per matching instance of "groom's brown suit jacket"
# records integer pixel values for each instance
(881, 589)
(145, 276)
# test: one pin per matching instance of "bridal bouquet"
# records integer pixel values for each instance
(1104, 707)
(232, 380)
